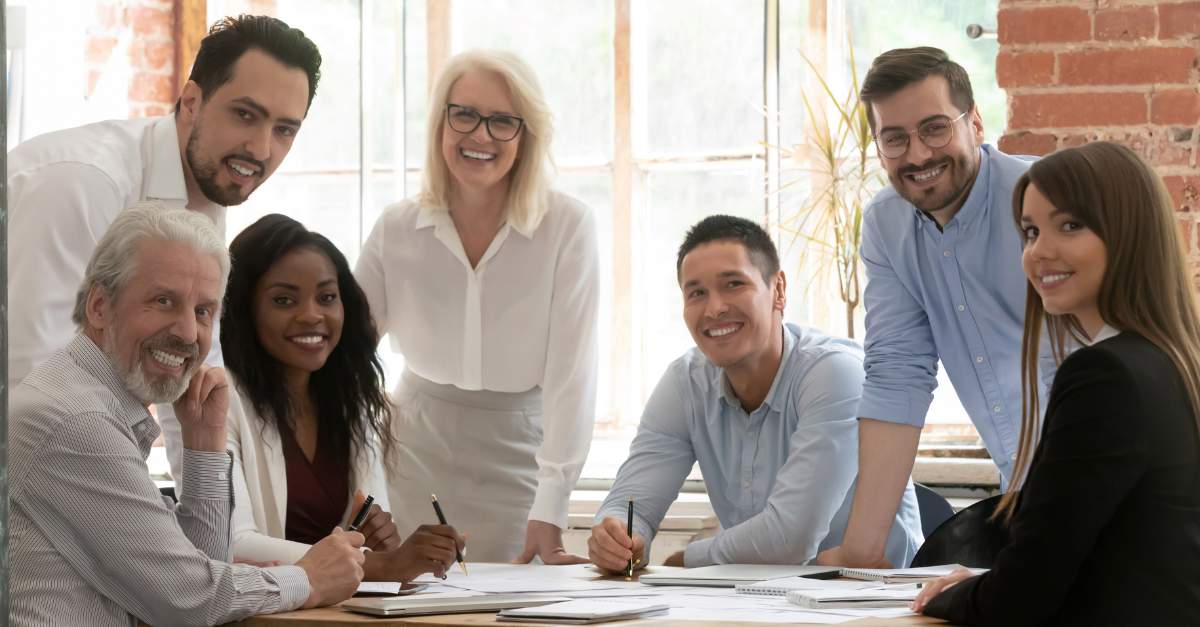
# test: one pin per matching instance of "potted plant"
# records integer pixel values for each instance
(837, 157)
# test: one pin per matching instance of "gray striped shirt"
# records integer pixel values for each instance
(92, 541)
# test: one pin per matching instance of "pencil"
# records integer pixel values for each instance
(629, 530)
(437, 509)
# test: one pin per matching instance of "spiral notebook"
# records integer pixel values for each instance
(905, 575)
(780, 587)
(870, 598)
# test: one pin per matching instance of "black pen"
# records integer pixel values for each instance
(362, 513)
(629, 530)
(437, 509)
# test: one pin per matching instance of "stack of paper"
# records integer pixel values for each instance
(579, 612)
(905, 575)
(870, 597)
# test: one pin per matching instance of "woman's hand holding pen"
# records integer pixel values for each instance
(430, 549)
(377, 526)
(611, 548)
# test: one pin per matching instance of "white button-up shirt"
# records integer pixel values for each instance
(64, 189)
(523, 317)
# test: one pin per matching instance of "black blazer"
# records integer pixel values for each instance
(1107, 527)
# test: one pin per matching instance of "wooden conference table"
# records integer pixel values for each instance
(335, 616)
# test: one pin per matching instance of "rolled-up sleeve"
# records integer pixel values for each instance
(813, 481)
(660, 458)
(901, 357)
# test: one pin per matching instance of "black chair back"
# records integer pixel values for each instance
(934, 509)
(969, 538)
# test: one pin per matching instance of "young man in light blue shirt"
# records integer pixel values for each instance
(944, 281)
(768, 410)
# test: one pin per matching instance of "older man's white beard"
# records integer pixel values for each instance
(163, 390)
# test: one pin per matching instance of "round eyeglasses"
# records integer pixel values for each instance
(935, 132)
(500, 127)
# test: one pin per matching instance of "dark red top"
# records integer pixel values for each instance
(318, 491)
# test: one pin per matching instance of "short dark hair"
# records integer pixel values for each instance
(230, 38)
(754, 237)
(896, 69)
(348, 390)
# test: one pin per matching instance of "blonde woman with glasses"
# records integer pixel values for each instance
(1105, 529)
(487, 284)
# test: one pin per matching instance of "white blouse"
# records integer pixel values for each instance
(524, 317)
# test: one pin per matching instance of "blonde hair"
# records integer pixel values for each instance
(1146, 287)
(529, 179)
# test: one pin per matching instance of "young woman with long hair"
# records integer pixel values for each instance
(1105, 508)
(308, 425)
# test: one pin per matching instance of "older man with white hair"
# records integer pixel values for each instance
(92, 541)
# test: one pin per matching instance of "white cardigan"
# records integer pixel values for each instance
(260, 486)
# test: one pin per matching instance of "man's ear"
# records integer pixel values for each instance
(190, 100)
(976, 124)
(780, 296)
(98, 308)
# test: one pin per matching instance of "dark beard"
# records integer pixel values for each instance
(205, 175)
(964, 173)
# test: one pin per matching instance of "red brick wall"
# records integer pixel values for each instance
(1122, 70)
(146, 27)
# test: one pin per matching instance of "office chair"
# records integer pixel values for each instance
(934, 509)
(968, 538)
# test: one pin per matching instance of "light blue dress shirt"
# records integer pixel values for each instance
(780, 478)
(957, 294)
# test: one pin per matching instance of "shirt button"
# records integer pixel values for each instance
(979, 359)
(946, 253)
(962, 307)
(1013, 457)
(746, 484)
(996, 408)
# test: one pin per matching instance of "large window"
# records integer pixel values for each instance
(663, 111)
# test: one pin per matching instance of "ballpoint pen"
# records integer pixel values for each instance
(629, 530)
(442, 519)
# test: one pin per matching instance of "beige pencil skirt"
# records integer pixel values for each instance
(475, 450)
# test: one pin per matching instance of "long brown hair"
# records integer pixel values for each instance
(1146, 287)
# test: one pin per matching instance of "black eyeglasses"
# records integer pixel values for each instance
(501, 127)
(935, 133)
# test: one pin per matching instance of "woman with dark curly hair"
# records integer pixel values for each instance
(309, 428)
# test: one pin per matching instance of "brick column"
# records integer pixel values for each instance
(1120, 70)
(147, 27)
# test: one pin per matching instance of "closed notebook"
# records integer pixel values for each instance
(583, 611)
(730, 575)
(905, 575)
(869, 598)
(780, 587)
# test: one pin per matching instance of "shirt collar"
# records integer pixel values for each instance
(439, 218)
(164, 166)
(770, 401)
(1105, 333)
(979, 195)
(95, 362)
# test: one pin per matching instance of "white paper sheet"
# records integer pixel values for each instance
(379, 587)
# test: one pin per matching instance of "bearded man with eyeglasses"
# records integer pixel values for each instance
(944, 283)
